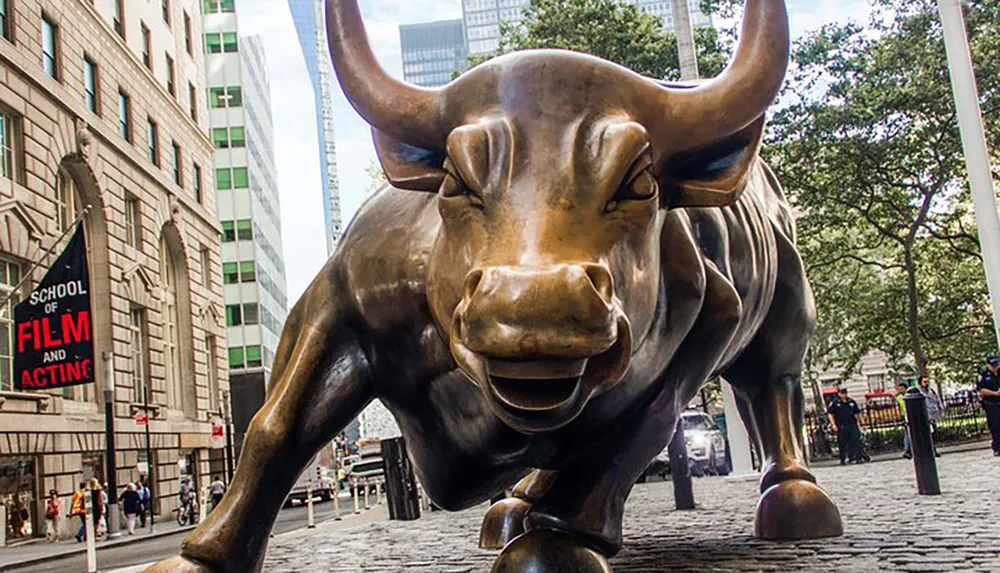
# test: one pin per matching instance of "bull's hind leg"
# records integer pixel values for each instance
(505, 519)
(791, 506)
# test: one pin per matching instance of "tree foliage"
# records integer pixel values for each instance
(870, 151)
(609, 29)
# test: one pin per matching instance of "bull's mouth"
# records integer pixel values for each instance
(535, 386)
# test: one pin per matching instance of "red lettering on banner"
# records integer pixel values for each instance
(47, 331)
(75, 328)
(78, 331)
(56, 375)
(23, 335)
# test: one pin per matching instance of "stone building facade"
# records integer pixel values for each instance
(102, 105)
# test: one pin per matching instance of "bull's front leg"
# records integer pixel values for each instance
(320, 382)
(505, 519)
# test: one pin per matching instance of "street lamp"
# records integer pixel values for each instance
(111, 467)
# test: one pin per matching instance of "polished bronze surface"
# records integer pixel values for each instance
(566, 253)
(503, 522)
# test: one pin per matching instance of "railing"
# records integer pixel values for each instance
(882, 426)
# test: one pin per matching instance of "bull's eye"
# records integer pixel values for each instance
(640, 187)
(453, 186)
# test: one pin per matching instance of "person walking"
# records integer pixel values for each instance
(78, 508)
(145, 502)
(843, 412)
(935, 408)
(97, 505)
(901, 389)
(216, 489)
(52, 513)
(989, 391)
(131, 507)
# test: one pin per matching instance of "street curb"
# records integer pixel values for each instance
(10, 566)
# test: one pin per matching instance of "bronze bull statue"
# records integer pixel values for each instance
(565, 253)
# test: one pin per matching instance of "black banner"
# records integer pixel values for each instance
(54, 335)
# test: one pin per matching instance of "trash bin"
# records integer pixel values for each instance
(400, 483)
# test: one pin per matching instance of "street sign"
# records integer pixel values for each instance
(141, 418)
(142, 468)
(218, 434)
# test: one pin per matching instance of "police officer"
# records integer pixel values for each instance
(989, 391)
(843, 412)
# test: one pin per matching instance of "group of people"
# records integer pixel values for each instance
(843, 413)
(135, 504)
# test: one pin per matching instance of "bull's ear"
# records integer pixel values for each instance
(408, 167)
(716, 175)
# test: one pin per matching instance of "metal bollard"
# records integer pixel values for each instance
(921, 443)
(367, 487)
(203, 506)
(354, 488)
(680, 470)
(336, 502)
(378, 492)
(309, 504)
(91, 530)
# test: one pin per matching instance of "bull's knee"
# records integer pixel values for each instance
(797, 509)
(503, 522)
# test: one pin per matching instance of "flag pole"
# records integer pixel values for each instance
(45, 255)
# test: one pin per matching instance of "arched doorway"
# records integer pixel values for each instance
(178, 352)
(76, 187)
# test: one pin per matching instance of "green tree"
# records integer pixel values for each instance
(869, 149)
(608, 29)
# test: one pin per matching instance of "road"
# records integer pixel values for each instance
(289, 519)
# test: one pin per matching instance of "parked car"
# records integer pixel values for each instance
(706, 448)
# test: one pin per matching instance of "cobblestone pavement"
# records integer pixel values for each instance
(889, 528)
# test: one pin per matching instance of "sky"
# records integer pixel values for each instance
(296, 148)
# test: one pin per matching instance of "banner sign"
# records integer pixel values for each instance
(54, 341)
(218, 440)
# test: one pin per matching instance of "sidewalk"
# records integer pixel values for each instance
(958, 448)
(38, 551)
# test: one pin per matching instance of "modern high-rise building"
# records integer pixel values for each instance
(103, 118)
(309, 17)
(246, 182)
(434, 52)
(482, 18)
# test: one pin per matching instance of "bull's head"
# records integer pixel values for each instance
(553, 170)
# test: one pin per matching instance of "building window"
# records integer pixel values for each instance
(139, 347)
(176, 163)
(241, 179)
(248, 272)
(234, 315)
(231, 96)
(10, 145)
(244, 230)
(213, 379)
(223, 178)
(230, 273)
(213, 43)
(237, 359)
(166, 11)
(253, 357)
(171, 327)
(133, 222)
(228, 231)
(147, 46)
(218, 43)
(229, 137)
(216, 6)
(188, 43)
(251, 313)
(90, 83)
(68, 204)
(206, 267)
(153, 141)
(198, 194)
(5, 15)
(171, 75)
(10, 276)
(118, 19)
(193, 101)
(124, 116)
(50, 47)
(229, 42)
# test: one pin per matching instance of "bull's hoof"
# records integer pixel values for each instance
(503, 522)
(797, 509)
(176, 565)
(547, 551)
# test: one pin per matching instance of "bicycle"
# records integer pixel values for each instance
(187, 513)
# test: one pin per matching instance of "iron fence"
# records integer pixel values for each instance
(882, 426)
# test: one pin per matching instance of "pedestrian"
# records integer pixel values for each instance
(97, 506)
(52, 517)
(131, 507)
(989, 392)
(78, 508)
(901, 389)
(935, 408)
(843, 412)
(216, 489)
(145, 501)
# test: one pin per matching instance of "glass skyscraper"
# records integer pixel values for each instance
(433, 52)
(309, 17)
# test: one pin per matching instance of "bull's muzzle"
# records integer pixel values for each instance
(541, 341)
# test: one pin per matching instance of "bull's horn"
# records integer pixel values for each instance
(408, 113)
(745, 89)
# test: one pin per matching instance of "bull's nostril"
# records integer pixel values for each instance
(472, 281)
(600, 277)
